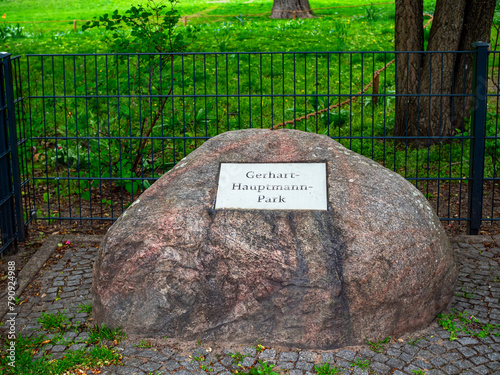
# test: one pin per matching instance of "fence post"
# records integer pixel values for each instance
(7, 225)
(8, 102)
(478, 131)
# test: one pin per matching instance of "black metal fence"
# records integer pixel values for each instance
(96, 130)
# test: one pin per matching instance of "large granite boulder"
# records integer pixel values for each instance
(375, 263)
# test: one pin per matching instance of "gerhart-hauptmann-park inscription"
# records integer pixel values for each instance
(272, 186)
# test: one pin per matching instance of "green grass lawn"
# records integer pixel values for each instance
(366, 27)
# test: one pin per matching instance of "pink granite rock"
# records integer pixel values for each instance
(377, 263)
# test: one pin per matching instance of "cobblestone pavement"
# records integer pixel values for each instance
(65, 284)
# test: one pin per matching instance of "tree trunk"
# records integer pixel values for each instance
(409, 37)
(477, 28)
(456, 24)
(286, 8)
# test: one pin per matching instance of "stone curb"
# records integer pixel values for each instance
(31, 269)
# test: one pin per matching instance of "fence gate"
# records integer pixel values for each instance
(11, 217)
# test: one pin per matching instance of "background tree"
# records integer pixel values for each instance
(456, 25)
(285, 8)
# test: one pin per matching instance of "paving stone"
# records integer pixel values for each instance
(147, 353)
(438, 361)
(296, 372)
(171, 365)
(468, 341)
(58, 348)
(327, 357)
(406, 357)
(285, 365)
(307, 356)
(304, 366)
(344, 364)
(435, 372)
(190, 365)
(345, 354)
(424, 354)
(250, 351)
(411, 368)
(58, 355)
(367, 353)
(381, 358)
(451, 357)
(483, 349)
(226, 361)
(494, 366)
(463, 364)
(494, 356)
(380, 367)
(421, 363)
(69, 335)
(150, 366)
(483, 370)
(77, 346)
(248, 361)
(479, 360)
(395, 362)
(451, 344)
(410, 349)
(160, 358)
(133, 361)
(289, 356)
(467, 352)
(183, 372)
(422, 343)
(268, 354)
(393, 352)
(359, 371)
(436, 349)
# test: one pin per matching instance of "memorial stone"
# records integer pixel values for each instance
(280, 236)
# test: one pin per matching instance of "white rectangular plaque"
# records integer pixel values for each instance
(272, 186)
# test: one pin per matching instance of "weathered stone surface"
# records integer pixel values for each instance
(377, 263)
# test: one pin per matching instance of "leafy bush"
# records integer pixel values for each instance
(148, 27)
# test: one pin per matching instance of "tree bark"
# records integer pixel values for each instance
(477, 28)
(409, 36)
(285, 9)
(456, 24)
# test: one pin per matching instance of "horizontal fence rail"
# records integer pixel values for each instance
(101, 128)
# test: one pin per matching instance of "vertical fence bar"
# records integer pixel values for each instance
(478, 128)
